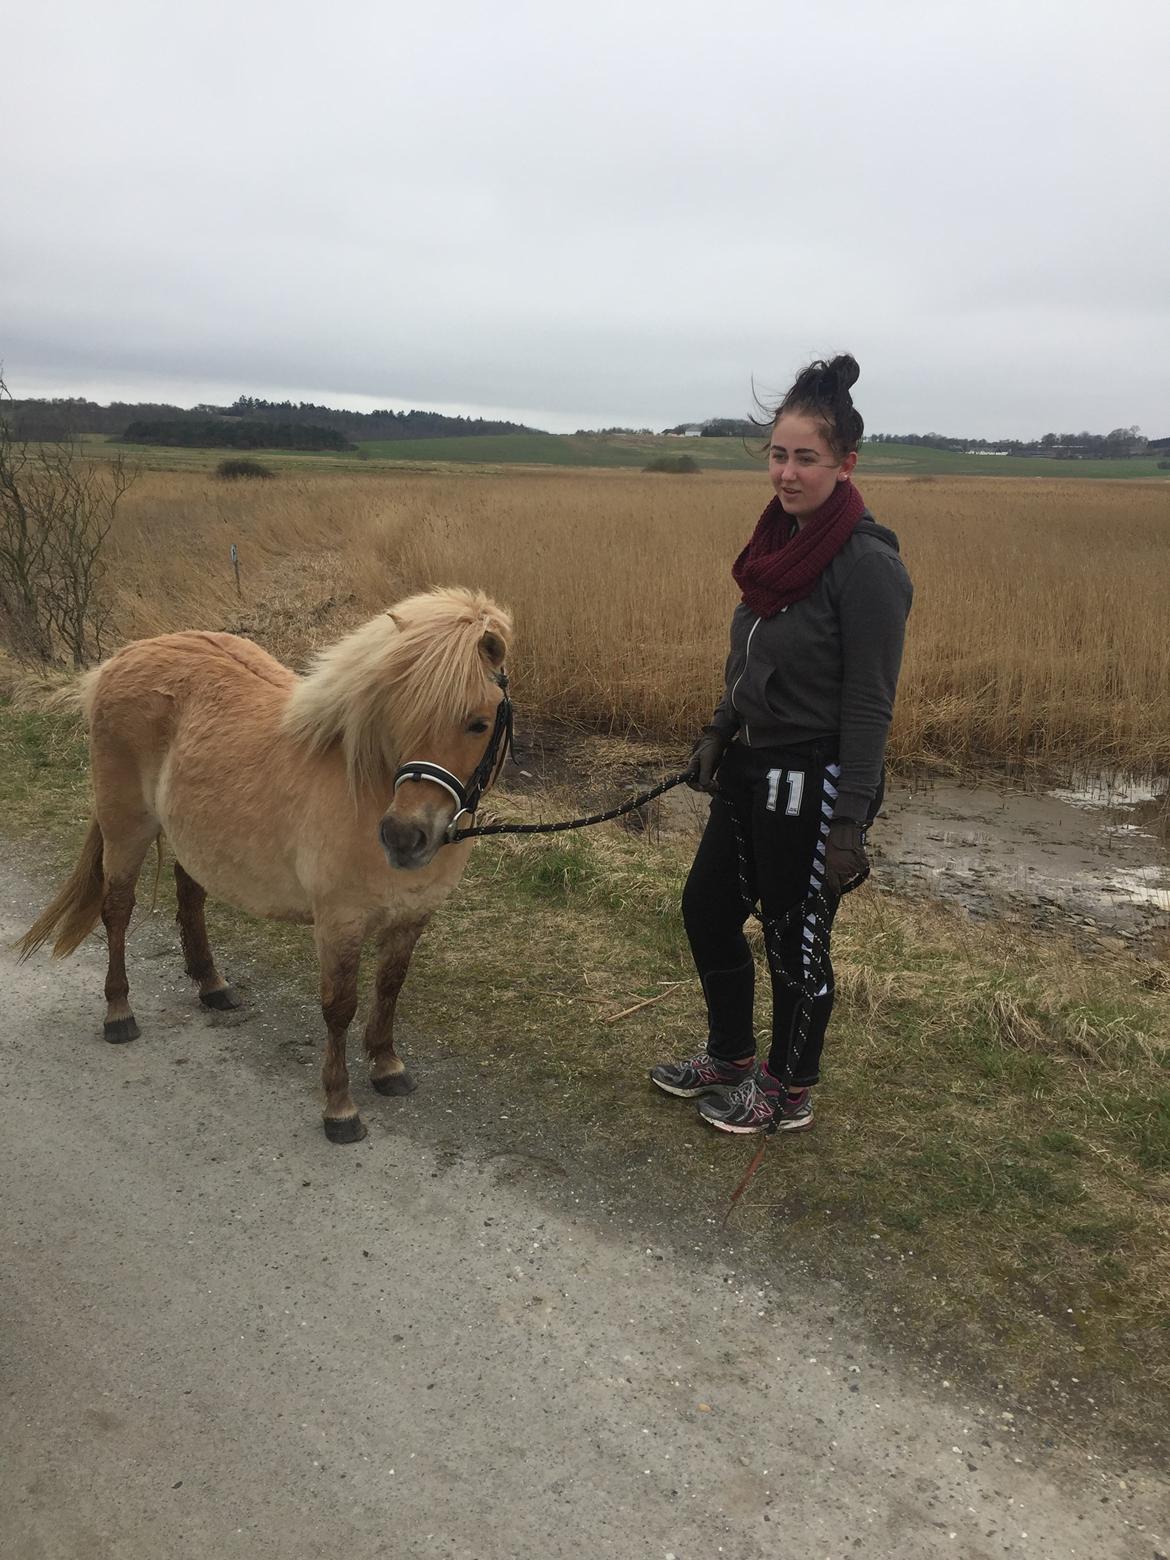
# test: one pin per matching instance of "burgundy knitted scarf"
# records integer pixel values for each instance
(777, 568)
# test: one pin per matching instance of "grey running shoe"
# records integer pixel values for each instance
(752, 1108)
(700, 1074)
(796, 1112)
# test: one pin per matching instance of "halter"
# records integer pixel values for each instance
(467, 797)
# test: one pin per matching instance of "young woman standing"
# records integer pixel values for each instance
(798, 742)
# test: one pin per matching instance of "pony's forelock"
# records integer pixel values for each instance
(387, 690)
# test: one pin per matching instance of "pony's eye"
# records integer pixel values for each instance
(478, 726)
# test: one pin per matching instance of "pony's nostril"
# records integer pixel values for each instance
(386, 833)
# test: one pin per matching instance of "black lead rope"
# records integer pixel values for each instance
(574, 823)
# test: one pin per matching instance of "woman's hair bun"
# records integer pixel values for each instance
(844, 365)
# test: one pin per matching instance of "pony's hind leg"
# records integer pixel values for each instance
(123, 852)
(339, 957)
(388, 1072)
(214, 991)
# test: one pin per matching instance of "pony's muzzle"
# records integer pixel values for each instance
(407, 843)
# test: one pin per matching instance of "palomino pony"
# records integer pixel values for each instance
(279, 794)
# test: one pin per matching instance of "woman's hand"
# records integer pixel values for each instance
(845, 857)
(706, 756)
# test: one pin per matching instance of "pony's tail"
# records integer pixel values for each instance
(77, 908)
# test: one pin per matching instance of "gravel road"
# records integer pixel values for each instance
(220, 1335)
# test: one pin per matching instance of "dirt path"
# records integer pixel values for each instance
(222, 1336)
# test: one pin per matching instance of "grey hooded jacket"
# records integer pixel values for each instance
(824, 670)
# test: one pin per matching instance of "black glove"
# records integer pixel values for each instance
(706, 756)
(845, 857)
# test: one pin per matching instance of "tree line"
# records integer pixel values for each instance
(235, 433)
(68, 416)
(1117, 445)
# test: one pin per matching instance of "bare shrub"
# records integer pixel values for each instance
(56, 510)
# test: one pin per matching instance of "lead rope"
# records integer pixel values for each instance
(573, 823)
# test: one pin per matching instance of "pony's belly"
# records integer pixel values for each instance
(232, 847)
(239, 876)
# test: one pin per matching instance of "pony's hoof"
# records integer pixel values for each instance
(395, 1083)
(223, 1000)
(345, 1129)
(118, 1030)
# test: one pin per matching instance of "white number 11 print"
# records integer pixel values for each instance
(795, 778)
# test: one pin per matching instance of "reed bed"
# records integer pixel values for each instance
(1039, 633)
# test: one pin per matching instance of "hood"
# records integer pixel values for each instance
(868, 526)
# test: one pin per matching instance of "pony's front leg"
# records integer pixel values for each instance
(339, 957)
(388, 1072)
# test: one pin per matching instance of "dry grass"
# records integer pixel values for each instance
(1038, 633)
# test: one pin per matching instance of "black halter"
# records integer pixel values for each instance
(467, 797)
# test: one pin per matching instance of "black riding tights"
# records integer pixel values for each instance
(783, 803)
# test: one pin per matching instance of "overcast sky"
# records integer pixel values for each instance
(594, 214)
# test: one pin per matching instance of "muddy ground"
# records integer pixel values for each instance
(1088, 853)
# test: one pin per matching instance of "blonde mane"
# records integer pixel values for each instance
(389, 687)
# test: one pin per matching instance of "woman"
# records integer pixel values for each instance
(798, 742)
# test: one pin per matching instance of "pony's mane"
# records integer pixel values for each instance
(402, 678)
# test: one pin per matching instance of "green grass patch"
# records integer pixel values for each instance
(632, 451)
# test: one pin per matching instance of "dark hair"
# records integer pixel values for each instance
(822, 391)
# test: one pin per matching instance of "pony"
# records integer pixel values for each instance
(284, 795)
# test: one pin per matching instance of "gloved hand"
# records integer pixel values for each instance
(706, 756)
(845, 857)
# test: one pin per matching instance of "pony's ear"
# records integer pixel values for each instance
(493, 647)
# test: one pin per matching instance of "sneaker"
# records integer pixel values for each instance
(796, 1112)
(700, 1074)
(752, 1108)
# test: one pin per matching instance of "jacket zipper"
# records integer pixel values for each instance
(747, 736)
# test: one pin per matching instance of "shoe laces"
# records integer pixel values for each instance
(747, 1091)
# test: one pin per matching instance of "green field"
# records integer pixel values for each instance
(615, 451)
(629, 450)
(569, 449)
(914, 459)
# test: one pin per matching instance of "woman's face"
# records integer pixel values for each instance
(803, 469)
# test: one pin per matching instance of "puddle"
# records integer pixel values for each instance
(1092, 851)
(1112, 792)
